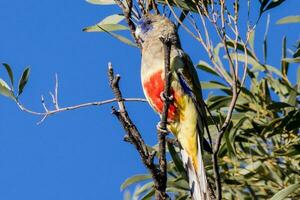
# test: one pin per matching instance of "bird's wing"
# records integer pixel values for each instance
(191, 85)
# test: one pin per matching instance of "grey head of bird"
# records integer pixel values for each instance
(151, 27)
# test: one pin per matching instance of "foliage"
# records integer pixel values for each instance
(260, 154)
(7, 90)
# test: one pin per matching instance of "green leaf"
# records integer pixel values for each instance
(135, 179)
(180, 185)
(284, 64)
(102, 2)
(220, 102)
(292, 99)
(9, 72)
(5, 90)
(252, 167)
(298, 79)
(282, 194)
(148, 195)
(229, 141)
(123, 39)
(289, 19)
(274, 4)
(294, 150)
(265, 43)
(186, 5)
(232, 182)
(240, 47)
(112, 19)
(256, 65)
(145, 188)
(294, 124)
(251, 39)
(105, 27)
(263, 4)
(183, 197)
(278, 105)
(108, 24)
(23, 80)
(177, 161)
(207, 68)
(213, 85)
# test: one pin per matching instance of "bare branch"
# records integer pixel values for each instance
(133, 136)
(55, 111)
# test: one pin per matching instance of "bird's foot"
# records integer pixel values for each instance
(165, 98)
(161, 129)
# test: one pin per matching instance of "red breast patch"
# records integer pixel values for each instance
(153, 89)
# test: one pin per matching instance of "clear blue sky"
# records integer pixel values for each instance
(78, 155)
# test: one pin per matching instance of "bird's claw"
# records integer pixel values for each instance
(160, 129)
(164, 98)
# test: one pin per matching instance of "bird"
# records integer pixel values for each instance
(186, 114)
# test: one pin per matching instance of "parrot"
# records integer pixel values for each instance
(186, 114)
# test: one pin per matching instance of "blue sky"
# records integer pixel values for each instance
(78, 155)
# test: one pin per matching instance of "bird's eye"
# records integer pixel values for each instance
(148, 22)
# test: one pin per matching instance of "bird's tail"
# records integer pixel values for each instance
(196, 174)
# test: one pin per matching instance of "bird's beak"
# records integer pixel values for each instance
(138, 32)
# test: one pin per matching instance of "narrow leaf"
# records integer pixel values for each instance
(122, 39)
(251, 39)
(284, 64)
(265, 48)
(5, 90)
(102, 2)
(149, 195)
(298, 80)
(108, 24)
(106, 27)
(135, 179)
(213, 85)
(274, 4)
(10, 73)
(112, 19)
(177, 161)
(23, 80)
(282, 194)
(207, 68)
(278, 105)
(145, 188)
(289, 19)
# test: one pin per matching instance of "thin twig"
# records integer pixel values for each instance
(155, 8)
(56, 92)
(55, 111)
(127, 14)
(142, 6)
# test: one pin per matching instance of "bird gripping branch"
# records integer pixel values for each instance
(186, 112)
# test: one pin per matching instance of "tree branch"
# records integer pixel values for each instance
(55, 111)
(134, 137)
(162, 126)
